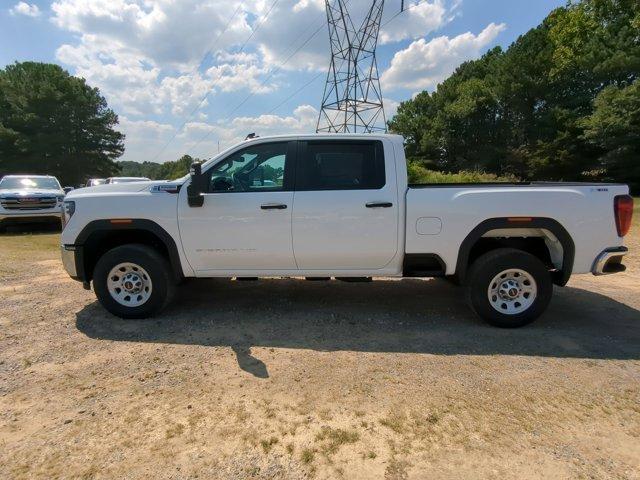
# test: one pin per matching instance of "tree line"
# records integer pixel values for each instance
(561, 103)
(157, 171)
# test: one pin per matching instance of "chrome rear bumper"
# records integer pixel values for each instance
(609, 261)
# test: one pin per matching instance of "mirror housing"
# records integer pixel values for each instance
(197, 186)
(67, 189)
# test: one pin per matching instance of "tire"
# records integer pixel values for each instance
(509, 288)
(141, 268)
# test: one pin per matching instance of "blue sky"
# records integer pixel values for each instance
(186, 76)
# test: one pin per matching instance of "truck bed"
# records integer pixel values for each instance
(440, 216)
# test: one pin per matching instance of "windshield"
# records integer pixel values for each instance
(29, 183)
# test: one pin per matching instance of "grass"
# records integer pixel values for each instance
(307, 455)
(19, 248)
(333, 438)
(267, 445)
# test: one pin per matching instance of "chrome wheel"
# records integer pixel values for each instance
(129, 284)
(512, 291)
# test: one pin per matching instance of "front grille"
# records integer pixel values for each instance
(28, 203)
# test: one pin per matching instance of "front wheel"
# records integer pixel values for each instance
(509, 288)
(133, 281)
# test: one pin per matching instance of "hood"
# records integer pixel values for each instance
(35, 192)
(114, 188)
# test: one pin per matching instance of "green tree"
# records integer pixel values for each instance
(614, 126)
(532, 110)
(157, 171)
(54, 123)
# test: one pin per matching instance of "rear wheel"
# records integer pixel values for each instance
(133, 281)
(509, 288)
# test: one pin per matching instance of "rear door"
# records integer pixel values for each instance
(345, 214)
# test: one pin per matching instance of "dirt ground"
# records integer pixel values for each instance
(292, 379)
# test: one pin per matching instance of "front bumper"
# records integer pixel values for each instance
(73, 261)
(21, 217)
(609, 261)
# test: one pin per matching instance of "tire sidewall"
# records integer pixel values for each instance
(155, 266)
(484, 271)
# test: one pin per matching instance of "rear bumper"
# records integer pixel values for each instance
(609, 261)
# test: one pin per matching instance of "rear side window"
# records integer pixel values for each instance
(341, 165)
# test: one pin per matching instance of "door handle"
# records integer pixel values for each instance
(273, 206)
(379, 205)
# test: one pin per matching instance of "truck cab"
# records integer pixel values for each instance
(332, 205)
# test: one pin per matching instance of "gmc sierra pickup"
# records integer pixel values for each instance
(340, 206)
(29, 199)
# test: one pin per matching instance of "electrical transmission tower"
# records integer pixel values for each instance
(352, 100)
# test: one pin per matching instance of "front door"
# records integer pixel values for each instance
(245, 222)
(345, 214)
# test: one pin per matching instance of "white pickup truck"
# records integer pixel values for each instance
(30, 199)
(340, 206)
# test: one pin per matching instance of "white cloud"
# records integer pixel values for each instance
(390, 107)
(136, 85)
(418, 20)
(303, 120)
(145, 139)
(144, 54)
(24, 8)
(422, 65)
(165, 32)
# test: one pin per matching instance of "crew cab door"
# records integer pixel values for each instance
(345, 214)
(245, 222)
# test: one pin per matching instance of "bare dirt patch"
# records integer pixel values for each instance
(293, 379)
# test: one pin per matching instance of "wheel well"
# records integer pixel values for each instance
(101, 241)
(536, 246)
(544, 238)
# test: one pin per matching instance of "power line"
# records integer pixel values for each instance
(254, 30)
(272, 72)
(226, 27)
(402, 10)
(295, 93)
(206, 95)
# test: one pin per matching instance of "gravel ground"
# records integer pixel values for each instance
(292, 379)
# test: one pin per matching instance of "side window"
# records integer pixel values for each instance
(257, 168)
(341, 165)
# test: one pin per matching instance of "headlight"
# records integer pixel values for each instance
(68, 209)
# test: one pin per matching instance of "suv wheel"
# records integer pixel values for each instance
(509, 288)
(133, 281)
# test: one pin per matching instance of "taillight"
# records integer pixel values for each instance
(623, 208)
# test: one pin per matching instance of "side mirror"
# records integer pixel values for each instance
(67, 189)
(197, 186)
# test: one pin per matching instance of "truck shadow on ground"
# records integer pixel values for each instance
(409, 316)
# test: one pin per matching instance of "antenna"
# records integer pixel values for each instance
(352, 99)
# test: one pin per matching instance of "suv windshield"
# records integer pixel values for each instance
(29, 183)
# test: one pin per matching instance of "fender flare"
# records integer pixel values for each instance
(106, 225)
(568, 247)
